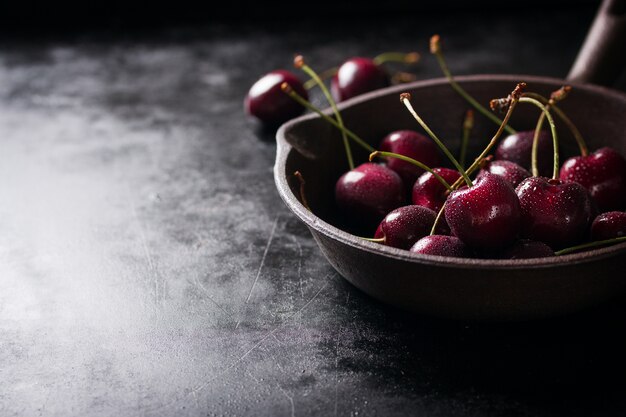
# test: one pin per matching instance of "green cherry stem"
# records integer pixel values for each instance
(324, 75)
(411, 161)
(435, 49)
(534, 164)
(511, 102)
(436, 222)
(406, 99)
(555, 139)
(468, 125)
(297, 97)
(590, 245)
(406, 58)
(582, 145)
(298, 62)
(374, 239)
(303, 199)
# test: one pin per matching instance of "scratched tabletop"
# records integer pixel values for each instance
(149, 268)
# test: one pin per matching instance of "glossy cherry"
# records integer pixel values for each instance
(441, 246)
(429, 192)
(526, 249)
(508, 170)
(485, 215)
(404, 226)
(368, 192)
(554, 212)
(357, 76)
(268, 103)
(609, 225)
(414, 145)
(518, 148)
(603, 173)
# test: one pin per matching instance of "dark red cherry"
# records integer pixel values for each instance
(526, 249)
(603, 173)
(429, 192)
(268, 103)
(508, 170)
(486, 215)
(405, 225)
(414, 145)
(609, 225)
(518, 148)
(441, 246)
(554, 212)
(368, 192)
(357, 76)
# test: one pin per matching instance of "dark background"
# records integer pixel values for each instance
(148, 266)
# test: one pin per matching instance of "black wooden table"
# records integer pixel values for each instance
(148, 266)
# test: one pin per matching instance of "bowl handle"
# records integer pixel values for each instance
(603, 54)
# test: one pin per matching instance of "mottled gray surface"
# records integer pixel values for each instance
(148, 266)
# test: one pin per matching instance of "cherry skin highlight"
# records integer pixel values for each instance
(609, 225)
(269, 104)
(508, 170)
(518, 148)
(357, 76)
(603, 173)
(486, 215)
(414, 145)
(441, 246)
(404, 226)
(554, 212)
(527, 249)
(368, 192)
(429, 192)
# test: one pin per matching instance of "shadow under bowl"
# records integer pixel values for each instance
(469, 289)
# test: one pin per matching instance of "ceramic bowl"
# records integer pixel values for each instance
(474, 289)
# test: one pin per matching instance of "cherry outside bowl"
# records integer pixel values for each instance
(474, 289)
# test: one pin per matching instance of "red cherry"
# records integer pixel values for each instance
(508, 170)
(609, 225)
(357, 76)
(268, 103)
(441, 246)
(405, 225)
(368, 192)
(603, 173)
(414, 145)
(554, 212)
(486, 215)
(518, 148)
(526, 249)
(429, 192)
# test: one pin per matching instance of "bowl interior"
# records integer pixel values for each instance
(318, 153)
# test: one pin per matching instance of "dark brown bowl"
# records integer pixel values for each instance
(485, 289)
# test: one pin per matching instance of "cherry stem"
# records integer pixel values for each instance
(582, 145)
(324, 75)
(590, 245)
(512, 103)
(299, 63)
(555, 139)
(436, 222)
(303, 199)
(411, 161)
(374, 239)
(435, 49)
(534, 165)
(406, 99)
(297, 97)
(407, 58)
(468, 125)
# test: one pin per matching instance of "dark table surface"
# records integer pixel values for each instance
(148, 266)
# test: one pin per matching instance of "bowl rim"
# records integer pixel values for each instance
(314, 222)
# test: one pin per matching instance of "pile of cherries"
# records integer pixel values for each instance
(521, 204)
